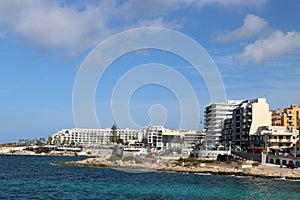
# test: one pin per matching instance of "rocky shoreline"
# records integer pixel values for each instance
(255, 172)
(236, 169)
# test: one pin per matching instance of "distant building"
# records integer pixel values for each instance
(214, 115)
(154, 136)
(161, 138)
(287, 117)
(157, 137)
(182, 138)
(91, 137)
(274, 137)
(246, 118)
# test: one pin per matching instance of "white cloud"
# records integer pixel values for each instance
(72, 27)
(157, 8)
(158, 22)
(253, 26)
(231, 3)
(277, 44)
(48, 26)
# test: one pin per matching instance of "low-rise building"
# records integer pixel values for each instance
(275, 137)
(182, 138)
(159, 137)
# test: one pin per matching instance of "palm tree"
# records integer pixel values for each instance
(114, 133)
(50, 139)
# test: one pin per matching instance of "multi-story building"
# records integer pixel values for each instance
(246, 118)
(226, 131)
(91, 137)
(192, 138)
(154, 136)
(277, 117)
(182, 138)
(287, 117)
(274, 137)
(214, 114)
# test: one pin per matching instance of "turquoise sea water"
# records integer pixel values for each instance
(33, 177)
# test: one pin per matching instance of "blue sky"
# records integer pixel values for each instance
(255, 45)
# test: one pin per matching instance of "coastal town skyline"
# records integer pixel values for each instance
(255, 46)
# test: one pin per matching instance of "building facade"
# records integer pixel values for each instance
(287, 117)
(161, 138)
(154, 136)
(182, 138)
(275, 137)
(226, 132)
(92, 137)
(214, 115)
(246, 118)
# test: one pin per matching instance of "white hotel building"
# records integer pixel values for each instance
(154, 136)
(89, 137)
(214, 115)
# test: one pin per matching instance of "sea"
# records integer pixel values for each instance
(37, 177)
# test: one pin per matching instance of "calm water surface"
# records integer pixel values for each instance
(33, 177)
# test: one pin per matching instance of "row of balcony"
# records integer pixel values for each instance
(280, 140)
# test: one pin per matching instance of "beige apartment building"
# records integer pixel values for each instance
(287, 117)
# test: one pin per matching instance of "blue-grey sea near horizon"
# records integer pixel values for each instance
(34, 177)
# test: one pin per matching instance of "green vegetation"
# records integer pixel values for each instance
(113, 158)
(25, 142)
(114, 138)
(119, 141)
(10, 144)
(195, 160)
(128, 158)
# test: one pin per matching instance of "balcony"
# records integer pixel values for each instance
(290, 127)
(280, 140)
(290, 114)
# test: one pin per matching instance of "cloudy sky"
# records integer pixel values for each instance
(255, 45)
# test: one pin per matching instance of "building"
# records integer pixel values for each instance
(160, 137)
(226, 131)
(94, 137)
(287, 117)
(154, 136)
(192, 138)
(183, 139)
(214, 114)
(274, 137)
(246, 118)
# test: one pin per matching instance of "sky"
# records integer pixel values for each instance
(254, 44)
